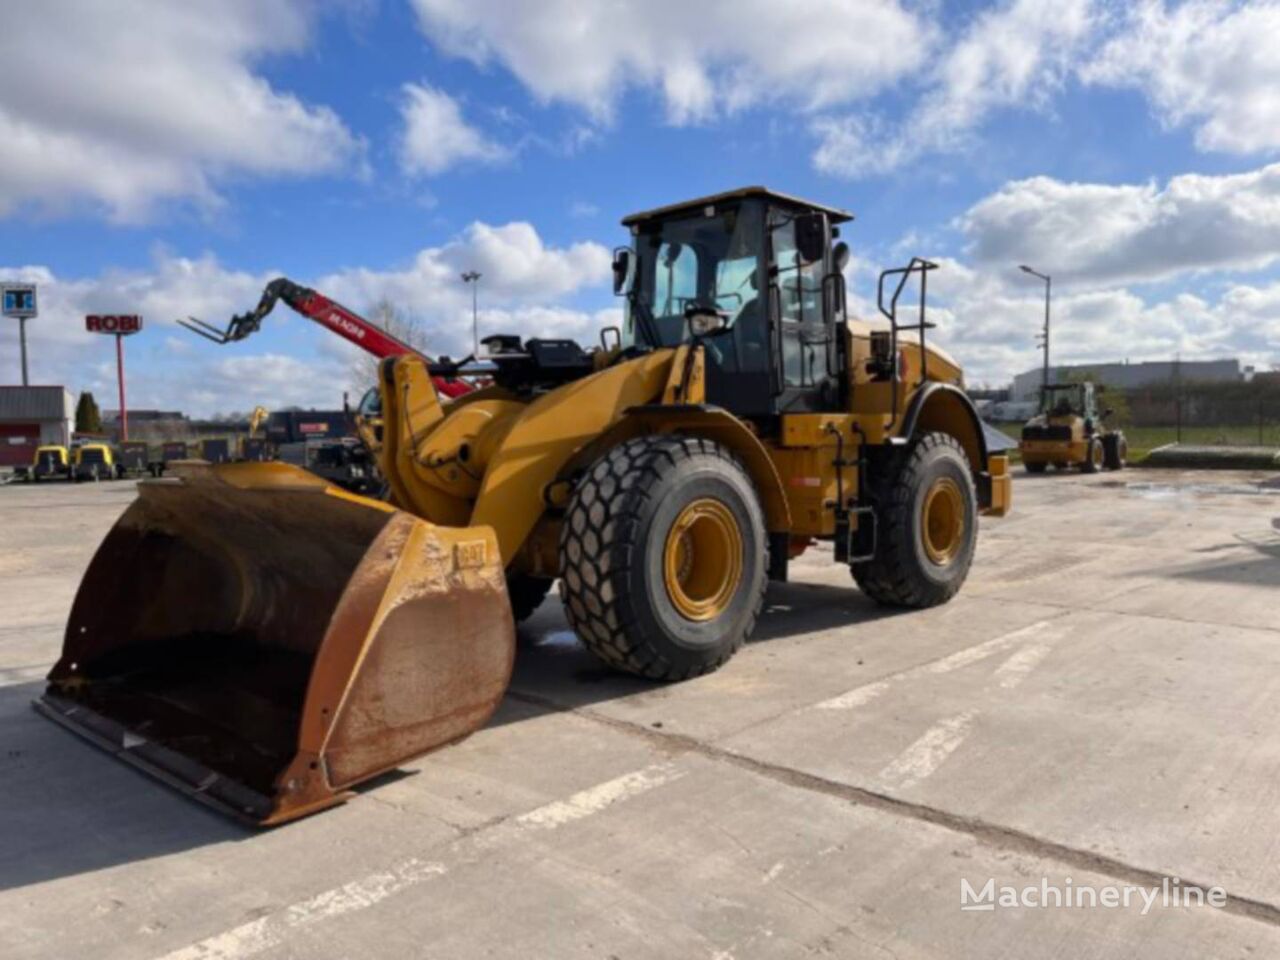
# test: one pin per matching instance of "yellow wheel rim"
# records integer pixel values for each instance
(702, 560)
(942, 524)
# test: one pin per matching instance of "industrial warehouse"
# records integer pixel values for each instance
(594, 485)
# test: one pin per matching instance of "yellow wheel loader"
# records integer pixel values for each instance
(1070, 432)
(266, 641)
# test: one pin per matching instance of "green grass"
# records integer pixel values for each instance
(1142, 440)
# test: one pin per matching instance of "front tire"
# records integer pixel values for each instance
(1093, 456)
(664, 557)
(1036, 466)
(926, 528)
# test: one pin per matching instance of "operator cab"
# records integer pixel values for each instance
(754, 276)
(751, 274)
(1067, 400)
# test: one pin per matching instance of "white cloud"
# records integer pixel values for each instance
(699, 58)
(524, 285)
(1210, 64)
(435, 136)
(124, 104)
(516, 267)
(989, 320)
(1108, 234)
(1014, 55)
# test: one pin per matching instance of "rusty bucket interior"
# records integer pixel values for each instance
(265, 641)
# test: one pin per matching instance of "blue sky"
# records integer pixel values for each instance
(169, 159)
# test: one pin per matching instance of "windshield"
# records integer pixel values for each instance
(370, 404)
(1063, 400)
(713, 261)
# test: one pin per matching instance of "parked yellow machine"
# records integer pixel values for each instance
(1069, 431)
(51, 462)
(268, 641)
(93, 461)
(253, 446)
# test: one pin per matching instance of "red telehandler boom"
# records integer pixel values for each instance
(315, 306)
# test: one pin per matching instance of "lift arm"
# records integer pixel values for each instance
(329, 313)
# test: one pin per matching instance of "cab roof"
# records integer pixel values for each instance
(834, 213)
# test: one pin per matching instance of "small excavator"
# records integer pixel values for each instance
(252, 445)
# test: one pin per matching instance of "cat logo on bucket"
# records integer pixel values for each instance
(469, 554)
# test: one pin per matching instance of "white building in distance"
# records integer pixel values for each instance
(1126, 376)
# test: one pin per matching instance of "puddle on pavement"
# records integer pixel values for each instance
(558, 641)
(1173, 491)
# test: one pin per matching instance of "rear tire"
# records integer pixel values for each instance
(921, 560)
(1037, 467)
(1116, 450)
(664, 557)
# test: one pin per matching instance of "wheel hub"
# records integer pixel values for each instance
(702, 560)
(942, 526)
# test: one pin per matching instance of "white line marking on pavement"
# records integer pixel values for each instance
(929, 752)
(962, 658)
(13, 676)
(860, 696)
(594, 799)
(857, 697)
(1019, 666)
(270, 931)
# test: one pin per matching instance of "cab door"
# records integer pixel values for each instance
(802, 320)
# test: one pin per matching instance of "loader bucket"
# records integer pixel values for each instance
(264, 641)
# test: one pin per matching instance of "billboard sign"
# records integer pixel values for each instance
(120, 324)
(19, 300)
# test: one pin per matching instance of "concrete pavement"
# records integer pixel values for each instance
(1096, 709)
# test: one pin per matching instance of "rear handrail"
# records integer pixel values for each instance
(917, 265)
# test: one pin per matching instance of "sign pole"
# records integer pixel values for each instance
(120, 326)
(22, 338)
(18, 300)
(124, 412)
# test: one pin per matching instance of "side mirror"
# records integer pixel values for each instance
(622, 263)
(813, 236)
(840, 257)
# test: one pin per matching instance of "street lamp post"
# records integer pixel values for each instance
(473, 277)
(1048, 283)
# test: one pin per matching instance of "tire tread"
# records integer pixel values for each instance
(600, 540)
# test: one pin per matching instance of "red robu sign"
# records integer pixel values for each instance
(113, 323)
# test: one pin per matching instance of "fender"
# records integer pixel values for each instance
(549, 432)
(948, 409)
(717, 424)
